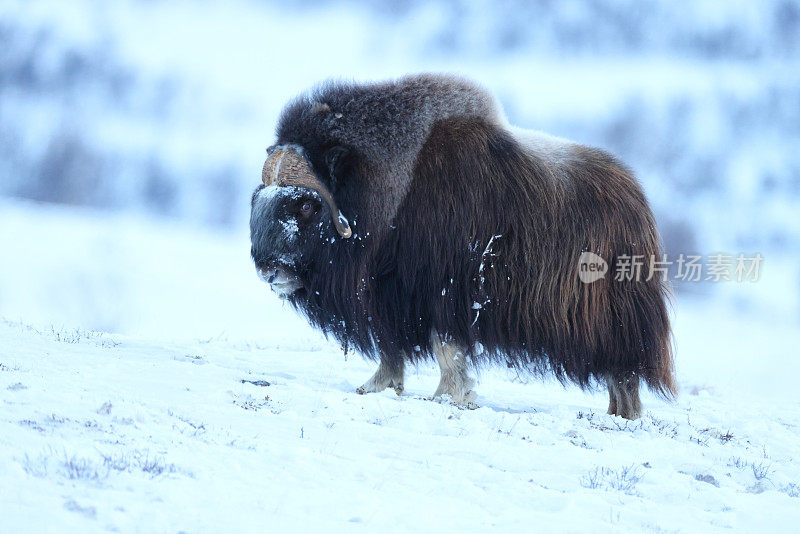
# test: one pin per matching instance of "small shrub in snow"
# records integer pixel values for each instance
(662, 426)
(56, 419)
(761, 470)
(139, 461)
(31, 424)
(72, 336)
(76, 468)
(623, 479)
(738, 462)
(705, 434)
(592, 480)
(246, 402)
(35, 466)
(79, 335)
(194, 428)
(117, 463)
(155, 466)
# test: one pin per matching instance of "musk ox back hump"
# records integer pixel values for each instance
(386, 124)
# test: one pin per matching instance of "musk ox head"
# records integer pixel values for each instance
(292, 212)
(344, 156)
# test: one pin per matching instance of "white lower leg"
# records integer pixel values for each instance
(387, 375)
(623, 396)
(453, 365)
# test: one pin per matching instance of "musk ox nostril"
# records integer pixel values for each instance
(271, 279)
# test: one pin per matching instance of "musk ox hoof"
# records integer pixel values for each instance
(623, 396)
(371, 387)
(467, 402)
(465, 398)
(458, 386)
(471, 405)
(630, 413)
(389, 375)
(459, 390)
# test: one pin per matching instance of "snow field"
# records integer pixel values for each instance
(111, 432)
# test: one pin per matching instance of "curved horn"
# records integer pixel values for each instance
(286, 166)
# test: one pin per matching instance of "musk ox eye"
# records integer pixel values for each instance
(307, 208)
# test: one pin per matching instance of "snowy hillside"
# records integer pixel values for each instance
(700, 99)
(103, 432)
(158, 432)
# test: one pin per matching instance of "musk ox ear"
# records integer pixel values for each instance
(337, 160)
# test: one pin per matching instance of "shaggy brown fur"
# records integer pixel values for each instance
(476, 241)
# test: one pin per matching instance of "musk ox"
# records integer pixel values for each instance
(409, 221)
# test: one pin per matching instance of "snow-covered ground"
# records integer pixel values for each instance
(107, 432)
(172, 426)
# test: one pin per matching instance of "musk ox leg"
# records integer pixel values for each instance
(389, 375)
(623, 396)
(453, 365)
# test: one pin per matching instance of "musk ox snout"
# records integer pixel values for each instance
(280, 279)
(274, 237)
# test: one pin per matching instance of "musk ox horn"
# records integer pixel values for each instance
(286, 166)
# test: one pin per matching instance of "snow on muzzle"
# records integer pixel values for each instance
(282, 281)
(286, 166)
